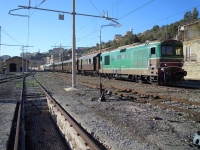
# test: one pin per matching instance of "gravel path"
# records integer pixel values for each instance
(120, 124)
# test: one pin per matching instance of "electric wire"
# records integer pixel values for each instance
(79, 29)
(122, 16)
(28, 29)
(136, 9)
(95, 7)
(147, 24)
(166, 17)
(37, 6)
(11, 36)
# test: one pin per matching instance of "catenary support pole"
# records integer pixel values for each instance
(73, 46)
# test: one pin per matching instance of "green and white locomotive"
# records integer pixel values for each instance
(153, 62)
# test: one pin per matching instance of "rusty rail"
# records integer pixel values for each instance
(2, 80)
(77, 128)
(19, 118)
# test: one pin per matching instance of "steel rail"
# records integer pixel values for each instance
(6, 79)
(73, 124)
(19, 118)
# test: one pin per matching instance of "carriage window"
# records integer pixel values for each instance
(89, 61)
(153, 50)
(107, 60)
(179, 51)
(112, 57)
(167, 50)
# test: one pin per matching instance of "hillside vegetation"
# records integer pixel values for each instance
(156, 33)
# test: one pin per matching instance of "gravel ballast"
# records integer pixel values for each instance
(9, 95)
(121, 124)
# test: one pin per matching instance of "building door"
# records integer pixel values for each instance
(13, 67)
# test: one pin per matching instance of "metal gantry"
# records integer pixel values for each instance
(73, 13)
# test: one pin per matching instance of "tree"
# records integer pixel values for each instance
(188, 16)
(195, 13)
(155, 28)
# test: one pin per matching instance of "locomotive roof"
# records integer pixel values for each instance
(142, 44)
(89, 56)
(133, 45)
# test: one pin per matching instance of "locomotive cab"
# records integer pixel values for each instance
(171, 62)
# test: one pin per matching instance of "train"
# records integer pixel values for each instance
(159, 62)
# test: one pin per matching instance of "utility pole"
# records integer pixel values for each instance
(0, 41)
(73, 46)
(73, 13)
(23, 59)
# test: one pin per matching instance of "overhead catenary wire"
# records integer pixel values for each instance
(149, 23)
(136, 9)
(95, 7)
(37, 6)
(166, 17)
(122, 16)
(11, 37)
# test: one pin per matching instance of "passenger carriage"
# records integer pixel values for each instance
(89, 64)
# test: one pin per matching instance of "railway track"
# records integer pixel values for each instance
(191, 109)
(7, 79)
(41, 123)
(181, 105)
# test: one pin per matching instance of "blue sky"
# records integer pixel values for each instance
(43, 29)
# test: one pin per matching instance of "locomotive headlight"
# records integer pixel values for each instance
(165, 65)
(181, 64)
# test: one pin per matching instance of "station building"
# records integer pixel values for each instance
(17, 64)
(189, 34)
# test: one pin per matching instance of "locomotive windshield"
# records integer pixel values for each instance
(179, 51)
(167, 50)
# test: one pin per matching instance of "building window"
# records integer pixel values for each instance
(188, 56)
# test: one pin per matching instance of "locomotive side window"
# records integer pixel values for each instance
(119, 57)
(179, 51)
(167, 50)
(127, 55)
(107, 60)
(123, 56)
(112, 57)
(153, 50)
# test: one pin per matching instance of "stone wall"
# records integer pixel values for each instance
(193, 70)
